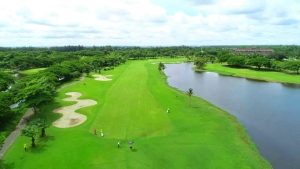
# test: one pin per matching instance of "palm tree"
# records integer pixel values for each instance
(161, 66)
(190, 94)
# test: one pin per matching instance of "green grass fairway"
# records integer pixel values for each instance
(31, 71)
(253, 74)
(133, 106)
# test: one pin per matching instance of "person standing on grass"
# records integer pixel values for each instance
(25, 147)
(101, 133)
(119, 144)
(168, 110)
(95, 131)
(130, 143)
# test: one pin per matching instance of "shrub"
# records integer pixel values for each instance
(237, 61)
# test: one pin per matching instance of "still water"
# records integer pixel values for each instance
(269, 111)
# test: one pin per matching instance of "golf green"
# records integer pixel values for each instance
(132, 106)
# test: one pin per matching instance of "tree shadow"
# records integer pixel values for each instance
(195, 107)
(46, 112)
(41, 145)
(291, 85)
(5, 165)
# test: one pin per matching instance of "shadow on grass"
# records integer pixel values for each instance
(41, 145)
(4, 165)
(46, 111)
(195, 107)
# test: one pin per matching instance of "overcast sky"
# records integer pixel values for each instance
(149, 22)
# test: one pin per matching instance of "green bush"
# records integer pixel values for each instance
(237, 61)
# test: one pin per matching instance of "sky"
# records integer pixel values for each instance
(149, 22)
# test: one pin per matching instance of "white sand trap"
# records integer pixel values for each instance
(102, 77)
(70, 118)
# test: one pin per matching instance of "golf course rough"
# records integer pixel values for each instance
(133, 107)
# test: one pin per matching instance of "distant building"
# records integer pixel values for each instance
(251, 51)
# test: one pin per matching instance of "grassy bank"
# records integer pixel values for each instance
(254, 74)
(133, 106)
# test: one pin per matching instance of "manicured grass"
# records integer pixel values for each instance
(254, 74)
(31, 71)
(133, 106)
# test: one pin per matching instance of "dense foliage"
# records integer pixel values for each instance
(5, 80)
(200, 62)
(259, 62)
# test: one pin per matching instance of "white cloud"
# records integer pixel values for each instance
(146, 22)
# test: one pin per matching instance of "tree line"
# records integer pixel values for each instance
(261, 62)
(27, 58)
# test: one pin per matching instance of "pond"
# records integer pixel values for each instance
(269, 111)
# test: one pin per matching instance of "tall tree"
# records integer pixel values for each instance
(236, 61)
(161, 66)
(5, 112)
(5, 80)
(190, 93)
(31, 131)
(292, 66)
(259, 62)
(35, 90)
(41, 124)
(200, 62)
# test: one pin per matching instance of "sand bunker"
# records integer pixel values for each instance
(102, 77)
(70, 118)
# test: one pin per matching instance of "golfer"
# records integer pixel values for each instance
(25, 147)
(130, 143)
(101, 133)
(95, 131)
(119, 144)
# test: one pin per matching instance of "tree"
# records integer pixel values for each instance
(292, 66)
(41, 124)
(278, 56)
(190, 94)
(277, 65)
(236, 61)
(35, 90)
(259, 62)
(161, 66)
(223, 56)
(5, 80)
(31, 131)
(200, 62)
(5, 112)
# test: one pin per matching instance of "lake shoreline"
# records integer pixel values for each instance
(226, 72)
(270, 102)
